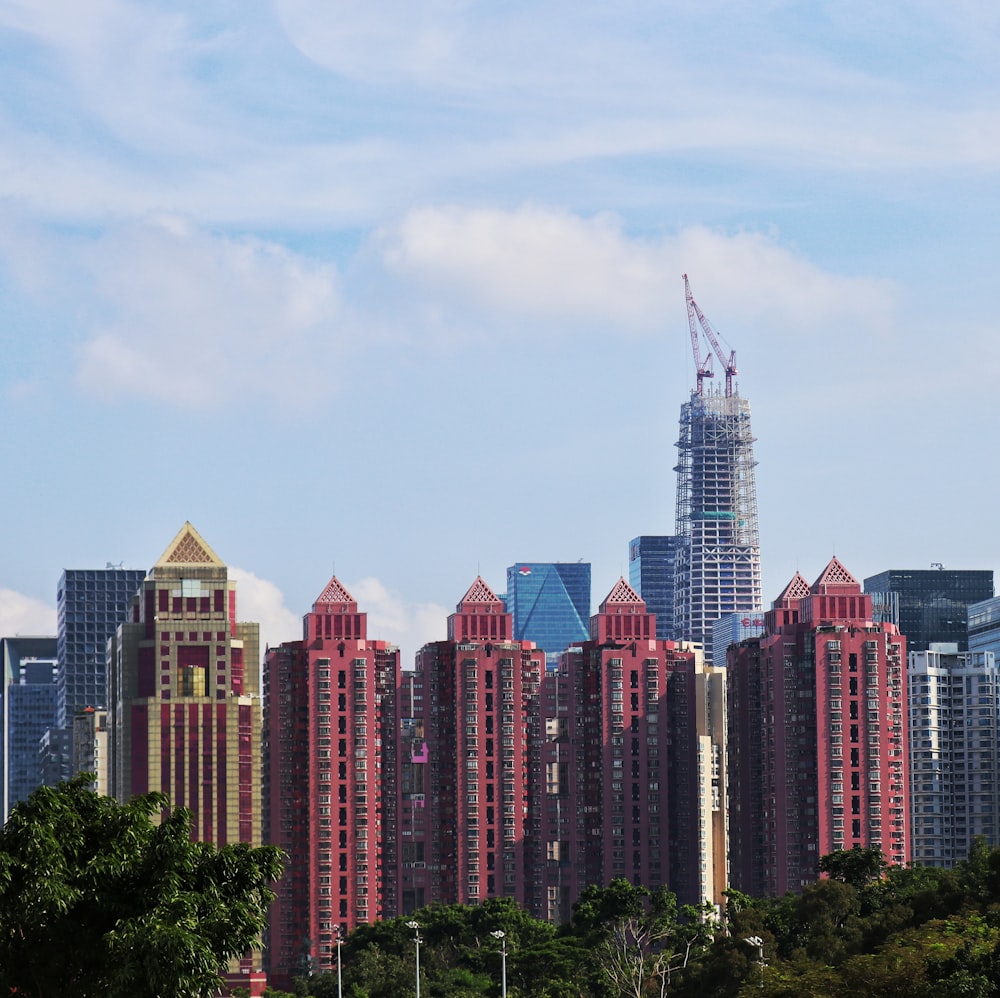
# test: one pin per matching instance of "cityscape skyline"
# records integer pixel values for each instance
(343, 244)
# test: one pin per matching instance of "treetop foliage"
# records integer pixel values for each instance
(97, 899)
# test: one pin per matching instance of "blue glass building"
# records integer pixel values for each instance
(550, 603)
(652, 570)
(91, 603)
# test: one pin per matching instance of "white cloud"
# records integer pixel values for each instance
(196, 319)
(553, 264)
(392, 618)
(25, 615)
(262, 601)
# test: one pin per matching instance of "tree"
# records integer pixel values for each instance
(98, 900)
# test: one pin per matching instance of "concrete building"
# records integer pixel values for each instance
(633, 763)
(469, 725)
(90, 746)
(184, 698)
(817, 736)
(652, 572)
(27, 712)
(330, 769)
(933, 603)
(718, 562)
(549, 603)
(954, 751)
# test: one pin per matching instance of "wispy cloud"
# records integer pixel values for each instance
(553, 264)
(20, 614)
(393, 618)
(186, 316)
(261, 601)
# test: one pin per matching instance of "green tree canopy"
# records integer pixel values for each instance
(98, 900)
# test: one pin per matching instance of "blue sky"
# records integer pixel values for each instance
(395, 289)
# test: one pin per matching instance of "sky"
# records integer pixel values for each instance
(393, 290)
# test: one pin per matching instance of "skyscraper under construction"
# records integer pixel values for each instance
(718, 562)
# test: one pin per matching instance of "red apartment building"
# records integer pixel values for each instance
(468, 765)
(184, 699)
(632, 781)
(817, 736)
(330, 769)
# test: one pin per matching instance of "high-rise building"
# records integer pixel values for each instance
(933, 603)
(633, 763)
(731, 629)
(718, 562)
(90, 603)
(984, 626)
(549, 603)
(817, 736)
(330, 796)
(954, 752)
(184, 681)
(90, 746)
(469, 724)
(184, 698)
(652, 571)
(27, 711)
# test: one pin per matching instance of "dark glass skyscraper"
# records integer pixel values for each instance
(933, 602)
(550, 604)
(652, 568)
(91, 604)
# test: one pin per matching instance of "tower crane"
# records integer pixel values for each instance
(703, 370)
(729, 364)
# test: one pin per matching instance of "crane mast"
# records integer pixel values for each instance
(729, 364)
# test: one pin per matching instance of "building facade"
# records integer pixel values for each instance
(817, 720)
(652, 572)
(984, 626)
(90, 746)
(27, 712)
(933, 603)
(90, 604)
(469, 726)
(330, 765)
(718, 561)
(184, 695)
(549, 603)
(954, 751)
(633, 763)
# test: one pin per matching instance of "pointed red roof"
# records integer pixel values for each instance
(835, 579)
(796, 589)
(621, 594)
(479, 594)
(335, 595)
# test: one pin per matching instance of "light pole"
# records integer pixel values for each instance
(416, 939)
(759, 943)
(340, 978)
(499, 934)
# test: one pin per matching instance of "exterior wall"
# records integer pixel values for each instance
(652, 571)
(184, 681)
(90, 604)
(934, 602)
(467, 745)
(731, 630)
(549, 603)
(718, 564)
(984, 626)
(954, 753)
(90, 746)
(31, 713)
(331, 795)
(830, 741)
(634, 777)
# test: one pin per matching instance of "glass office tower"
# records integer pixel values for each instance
(652, 571)
(550, 604)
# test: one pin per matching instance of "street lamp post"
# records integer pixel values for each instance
(416, 939)
(759, 943)
(501, 935)
(340, 978)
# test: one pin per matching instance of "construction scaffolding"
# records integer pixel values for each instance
(718, 565)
